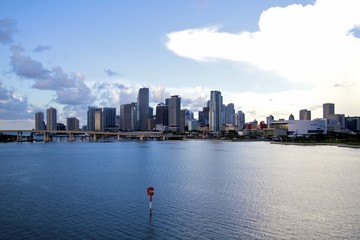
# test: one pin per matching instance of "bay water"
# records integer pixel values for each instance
(203, 190)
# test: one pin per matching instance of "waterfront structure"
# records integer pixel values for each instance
(72, 124)
(328, 109)
(192, 124)
(109, 114)
(299, 127)
(127, 117)
(269, 120)
(39, 121)
(174, 103)
(142, 109)
(94, 120)
(215, 111)
(204, 117)
(51, 119)
(304, 114)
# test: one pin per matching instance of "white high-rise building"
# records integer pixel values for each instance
(215, 110)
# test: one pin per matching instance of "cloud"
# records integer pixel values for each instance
(110, 72)
(13, 106)
(7, 30)
(42, 48)
(316, 46)
(24, 66)
(302, 43)
(70, 88)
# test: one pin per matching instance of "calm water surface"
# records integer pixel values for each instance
(203, 190)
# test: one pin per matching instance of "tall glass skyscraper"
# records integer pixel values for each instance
(51, 119)
(215, 110)
(93, 122)
(109, 117)
(328, 109)
(142, 110)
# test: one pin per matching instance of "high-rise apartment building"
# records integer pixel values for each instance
(328, 109)
(109, 117)
(304, 114)
(174, 105)
(39, 121)
(51, 119)
(162, 115)
(72, 124)
(215, 110)
(142, 110)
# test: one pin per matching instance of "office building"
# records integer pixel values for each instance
(142, 109)
(51, 119)
(94, 122)
(109, 118)
(215, 111)
(328, 109)
(128, 117)
(39, 121)
(174, 105)
(162, 117)
(230, 114)
(240, 120)
(352, 123)
(304, 114)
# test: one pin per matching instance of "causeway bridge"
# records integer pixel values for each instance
(48, 135)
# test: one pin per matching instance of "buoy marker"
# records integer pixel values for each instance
(150, 192)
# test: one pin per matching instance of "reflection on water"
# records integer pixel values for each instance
(203, 190)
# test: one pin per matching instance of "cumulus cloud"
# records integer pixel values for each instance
(70, 88)
(7, 30)
(42, 48)
(316, 45)
(303, 43)
(13, 106)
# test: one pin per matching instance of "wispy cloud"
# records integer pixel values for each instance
(7, 29)
(110, 72)
(42, 48)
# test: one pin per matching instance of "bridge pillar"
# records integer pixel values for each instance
(19, 137)
(95, 139)
(71, 136)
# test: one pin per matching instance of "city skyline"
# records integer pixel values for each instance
(267, 58)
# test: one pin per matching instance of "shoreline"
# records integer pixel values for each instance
(317, 144)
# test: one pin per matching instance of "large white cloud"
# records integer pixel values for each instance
(313, 44)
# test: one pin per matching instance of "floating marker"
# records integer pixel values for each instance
(150, 192)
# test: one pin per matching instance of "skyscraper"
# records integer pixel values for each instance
(128, 117)
(91, 118)
(162, 115)
(109, 117)
(240, 120)
(230, 114)
(39, 121)
(174, 112)
(328, 109)
(51, 118)
(215, 110)
(142, 110)
(304, 114)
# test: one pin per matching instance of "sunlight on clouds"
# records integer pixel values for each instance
(312, 44)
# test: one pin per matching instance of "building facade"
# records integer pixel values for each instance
(304, 114)
(174, 103)
(328, 109)
(39, 121)
(51, 119)
(215, 111)
(72, 124)
(142, 110)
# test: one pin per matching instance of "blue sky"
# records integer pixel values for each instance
(266, 57)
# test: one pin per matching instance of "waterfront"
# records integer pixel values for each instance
(203, 190)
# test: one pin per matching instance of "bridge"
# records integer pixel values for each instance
(48, 135)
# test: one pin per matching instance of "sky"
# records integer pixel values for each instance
(268, 57)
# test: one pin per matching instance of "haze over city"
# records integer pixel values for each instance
(266, 57)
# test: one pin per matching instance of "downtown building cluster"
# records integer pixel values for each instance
(214, 117)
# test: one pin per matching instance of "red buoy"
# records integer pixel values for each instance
(150, 192)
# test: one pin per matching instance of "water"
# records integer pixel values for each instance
(203, 190)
